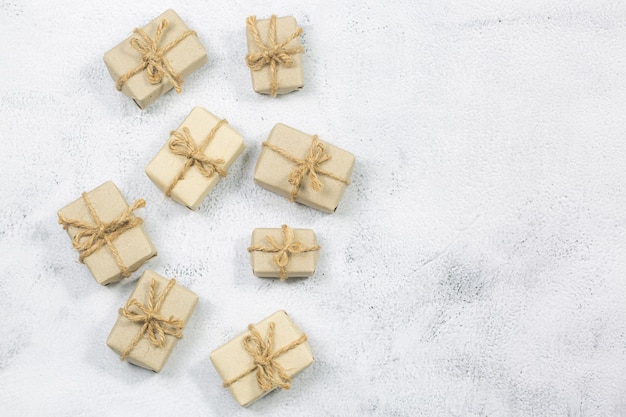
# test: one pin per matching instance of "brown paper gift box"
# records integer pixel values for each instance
(184, 58)
(231, 359)
(227, 144)
(179, 303)
(272, 170)
(134, 246)
(289, 79)
(300, 264)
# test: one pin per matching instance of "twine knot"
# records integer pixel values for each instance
(182, 144)
(269, 373)
(153, 59)
(154, 325)
(309, 165)
(289, 246)
(272, 54)
(93, 236)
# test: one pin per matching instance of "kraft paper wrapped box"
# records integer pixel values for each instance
(108, 235)
(144, 75)
(275, 66)
(172, 307)
(197, 154)
(283, 253)
(303, 168)
(289, 355)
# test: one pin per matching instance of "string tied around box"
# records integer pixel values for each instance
(310, 166)
(154, 325)
(94, 235)
(182, 144)
(273, 54)
(153, 59)
(289, 246)
(269, 372)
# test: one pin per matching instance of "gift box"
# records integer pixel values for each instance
(264, 358)
(152, 321)
(303, 168)
(197, 154)
(274, 55)
(108, 235)
(283, 253)
(155, 59)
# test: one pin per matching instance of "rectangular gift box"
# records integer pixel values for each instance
(272, 169)
(289, 79)
(300, 264)
(227, 144)
(134, 246)
(231, 359)
(184, 58)
(179, 303)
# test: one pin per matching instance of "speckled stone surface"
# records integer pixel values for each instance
(475, 267)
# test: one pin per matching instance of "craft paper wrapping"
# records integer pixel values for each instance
(300, 264)
(231, 359)
(134, 245)
(272, 170)
(289, 79)
(185, 58)
(227, 144)
(180, 303)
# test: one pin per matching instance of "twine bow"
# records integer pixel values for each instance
(309, 165)
(93, 236)
(153, 58)
(273, 54)
(182, 144)
(269, 372)
(155, 326)
(289, 246)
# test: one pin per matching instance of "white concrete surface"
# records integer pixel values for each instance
(476, 266)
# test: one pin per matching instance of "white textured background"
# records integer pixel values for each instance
(476, 266)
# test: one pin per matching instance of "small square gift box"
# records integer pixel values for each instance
(194, 158)
(303, 168)
(155, 59)
(152, 321)
(283, 253)
(263, 358)
(108, 236)
(274, 55)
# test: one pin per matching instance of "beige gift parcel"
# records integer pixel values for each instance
(193, 179)
(113, 245)
(263, 358)
(303, 168)
(152, 321)
(155, 59)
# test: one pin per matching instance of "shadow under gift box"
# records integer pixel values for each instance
(134, 246)
(231, 359)
(289, 78)
(179, 303)
(227, 144)
(184, 58)
(272, 169)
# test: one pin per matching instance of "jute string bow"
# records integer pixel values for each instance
(269, 372)
(272, 54)
(155, 326)
(182, 144)
(153, 57)
(92, 236)
(289, 246)
(309, 165)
